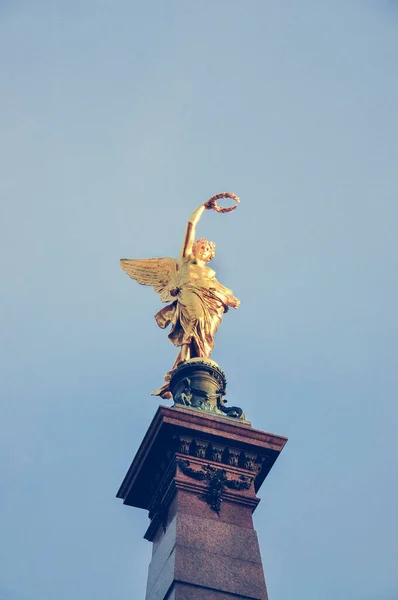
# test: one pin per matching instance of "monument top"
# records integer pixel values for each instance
(196, 301)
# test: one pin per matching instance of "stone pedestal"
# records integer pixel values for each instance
(197, 474)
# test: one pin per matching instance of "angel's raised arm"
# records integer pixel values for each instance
(190, 229)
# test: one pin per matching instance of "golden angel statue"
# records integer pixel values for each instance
(197, 301)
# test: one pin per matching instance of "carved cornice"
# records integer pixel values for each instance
(177, 433)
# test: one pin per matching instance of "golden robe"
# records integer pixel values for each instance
(195, 315)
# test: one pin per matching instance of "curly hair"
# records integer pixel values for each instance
(198, 245)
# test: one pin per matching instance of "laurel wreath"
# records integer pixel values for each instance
(212, 202)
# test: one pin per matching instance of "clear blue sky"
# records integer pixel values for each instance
(117, 119)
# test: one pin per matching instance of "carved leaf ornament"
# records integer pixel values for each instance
(217, 482)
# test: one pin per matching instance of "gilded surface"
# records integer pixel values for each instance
(197, 301)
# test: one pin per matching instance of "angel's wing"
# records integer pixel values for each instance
(161, 273)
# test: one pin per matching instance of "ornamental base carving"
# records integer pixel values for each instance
(201, 384)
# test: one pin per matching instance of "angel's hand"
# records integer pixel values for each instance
(210, 204)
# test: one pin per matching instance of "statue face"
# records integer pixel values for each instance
(204, 250)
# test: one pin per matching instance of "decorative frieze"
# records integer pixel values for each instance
(220, 453)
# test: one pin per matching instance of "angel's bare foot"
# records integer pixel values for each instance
(180, 362)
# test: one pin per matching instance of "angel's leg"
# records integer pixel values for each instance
(185, 353)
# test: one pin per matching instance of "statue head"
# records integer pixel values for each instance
(204, 250)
